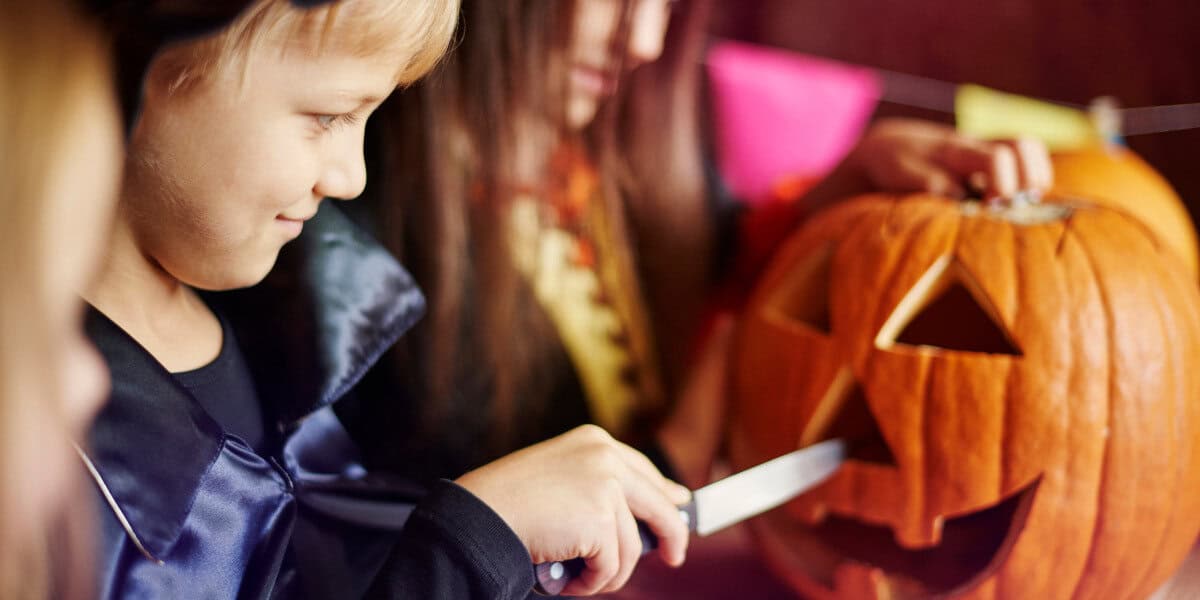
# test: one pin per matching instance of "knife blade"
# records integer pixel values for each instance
(726, 502)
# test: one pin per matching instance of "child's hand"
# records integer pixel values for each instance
(691, 436)
(577, 495)
(907, 155)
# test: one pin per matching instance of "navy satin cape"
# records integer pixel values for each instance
(191, 512)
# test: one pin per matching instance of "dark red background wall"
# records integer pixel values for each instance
(1143, 52)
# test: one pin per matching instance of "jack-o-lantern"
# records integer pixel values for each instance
(1017, 386)
(1116, 177)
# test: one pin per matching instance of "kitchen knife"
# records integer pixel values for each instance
(726, 502)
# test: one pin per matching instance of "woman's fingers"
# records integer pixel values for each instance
(1035, 170)
(990, 168)
(916, 174)
(904, 156)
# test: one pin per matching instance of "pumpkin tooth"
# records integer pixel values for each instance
(857, 580)
(920, 533)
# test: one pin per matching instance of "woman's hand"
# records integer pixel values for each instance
(578, 495)
(691, 436)
(907, 155)
(911, 156)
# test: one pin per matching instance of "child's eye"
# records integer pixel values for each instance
(328, 122)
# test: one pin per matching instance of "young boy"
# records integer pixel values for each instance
(224, 470)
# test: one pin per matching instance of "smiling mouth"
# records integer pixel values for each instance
(304, 219)
(972, 547)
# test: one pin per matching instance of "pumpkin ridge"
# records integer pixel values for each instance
(1068, 223)
(926, 434)
(1032, 252)
(1006, 479)
(937, 521)
(887, 226)
(1172, 358)
(1002, 481)
(857, 499)
(929, 519)
(1098, 521)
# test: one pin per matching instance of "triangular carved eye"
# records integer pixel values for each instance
(804, 297)
(945, 311)
(844, 414)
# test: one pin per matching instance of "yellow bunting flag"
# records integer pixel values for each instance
(988, 114)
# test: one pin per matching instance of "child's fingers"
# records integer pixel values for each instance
(675, 493)
(629, 548)
(660, 513)
(605, 562)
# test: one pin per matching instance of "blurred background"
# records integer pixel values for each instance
(1142, 52)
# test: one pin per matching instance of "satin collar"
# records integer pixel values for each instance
(334, 303)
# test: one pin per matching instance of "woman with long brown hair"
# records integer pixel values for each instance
(59, 165)
(550, 189)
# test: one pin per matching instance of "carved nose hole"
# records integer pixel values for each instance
(845, 413)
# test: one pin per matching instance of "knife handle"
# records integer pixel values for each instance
(553, 577)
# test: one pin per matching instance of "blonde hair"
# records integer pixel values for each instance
(419, 29)
(50, 58)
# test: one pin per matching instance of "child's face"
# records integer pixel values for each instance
(590, 80)
(220, 177)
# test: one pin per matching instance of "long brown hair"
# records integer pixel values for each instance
(459, 146)
(49, 55)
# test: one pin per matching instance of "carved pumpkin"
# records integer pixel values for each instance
(1018, 388)
(1119, 178)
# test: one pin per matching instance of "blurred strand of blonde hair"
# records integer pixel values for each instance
(49, 54)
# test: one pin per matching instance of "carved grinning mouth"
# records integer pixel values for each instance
(972, 547)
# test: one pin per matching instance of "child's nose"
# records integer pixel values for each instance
(343, 177)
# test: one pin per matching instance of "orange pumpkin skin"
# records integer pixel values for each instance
(1119, 178)
(1078, 427)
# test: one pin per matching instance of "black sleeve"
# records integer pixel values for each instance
(455, 547)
